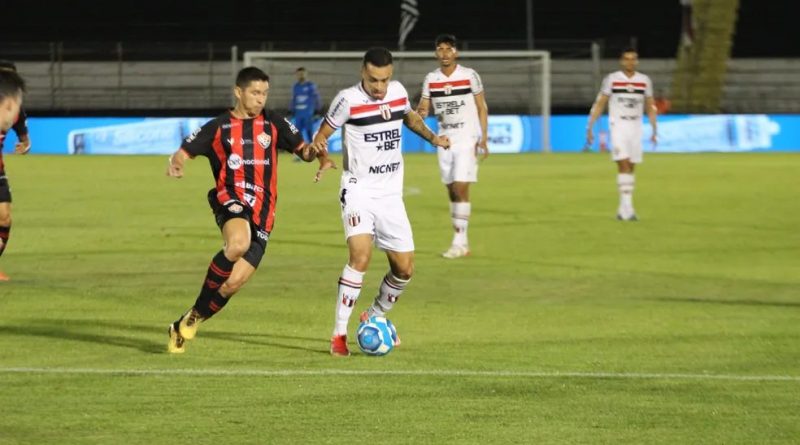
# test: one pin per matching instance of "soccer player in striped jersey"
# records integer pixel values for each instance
(371, 115)
(12, 116)
(456, 94)
(628, 94)
(242, 147)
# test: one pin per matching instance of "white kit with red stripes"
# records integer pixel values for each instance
(452, 100)
(371, 137)
(626, 96)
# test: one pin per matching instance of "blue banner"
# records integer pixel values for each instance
(507, 134)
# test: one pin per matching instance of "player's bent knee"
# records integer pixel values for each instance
(359, 262)
(404, 271)
(5, 220)
(236, 248)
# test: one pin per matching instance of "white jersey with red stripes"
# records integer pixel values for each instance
(452, 100)
(626, 96)
(371, 137)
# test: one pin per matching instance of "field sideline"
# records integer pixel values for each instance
(565, 326)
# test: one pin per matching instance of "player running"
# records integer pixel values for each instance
(371, 115)
(242, 147)
(459, 103)
(12, 116)
(630, 94)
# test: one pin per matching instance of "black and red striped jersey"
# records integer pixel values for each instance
(244, 159)
(20, 127)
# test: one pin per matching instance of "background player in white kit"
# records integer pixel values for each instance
(456, 93)
(372, 114)
(630, 93)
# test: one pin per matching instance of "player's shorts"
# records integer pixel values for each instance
(382, 217)
(626, 141)
(5, 190)
(236, 209)
(459, 163)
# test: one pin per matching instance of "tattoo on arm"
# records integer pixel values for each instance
(417, 125)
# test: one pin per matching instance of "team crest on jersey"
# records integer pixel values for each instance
(448, 89)
(386, 111)
(353, 219)
(630, 88)
(264, 140)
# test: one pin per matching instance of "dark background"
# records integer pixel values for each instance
(764, 28)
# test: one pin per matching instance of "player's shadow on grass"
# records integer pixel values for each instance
(88, 331)
(81, 330)
(729, 302)
(267, 340)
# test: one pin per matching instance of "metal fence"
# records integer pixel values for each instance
(197, 76)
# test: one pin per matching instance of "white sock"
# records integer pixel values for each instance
(625, 183)
(349, 289)
(459, 213)
(391, 288)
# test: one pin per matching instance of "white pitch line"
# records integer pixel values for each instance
(422, 373)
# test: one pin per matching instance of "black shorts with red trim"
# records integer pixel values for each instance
(237, 209)
(5, 190)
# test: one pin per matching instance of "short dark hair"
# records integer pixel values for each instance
(250, 74)
(629, 49)
(302, 68)
(11, 84)
(445, 38)
(378, 56)
(7, 65)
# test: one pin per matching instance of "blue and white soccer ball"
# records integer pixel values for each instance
(376, 336)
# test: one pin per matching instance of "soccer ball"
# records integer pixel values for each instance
(376, 336)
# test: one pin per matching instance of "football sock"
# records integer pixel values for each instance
(390, 291)
(209, 302)
(349, 289)
(625, 183)
(5, 232)
(459, 212)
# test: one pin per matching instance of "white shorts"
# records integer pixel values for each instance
(459, 163)
(382, 217)
(626, 142)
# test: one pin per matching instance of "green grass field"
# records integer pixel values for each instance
(565, 326)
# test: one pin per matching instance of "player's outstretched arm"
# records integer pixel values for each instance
(23, 146)
(597, 109)
(321, 140)
(176, 161)
(424, 107)
(314, 150)
(415, 122)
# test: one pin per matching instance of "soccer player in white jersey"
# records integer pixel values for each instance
(629, 93)
(456, 93)
(371, 115)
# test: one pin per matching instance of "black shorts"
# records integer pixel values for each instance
(5, 190)
(237, 209)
